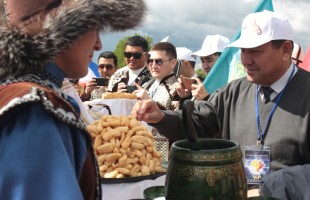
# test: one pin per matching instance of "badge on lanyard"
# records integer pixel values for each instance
(256, 163)
(257, 158)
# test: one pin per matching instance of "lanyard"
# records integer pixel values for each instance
(261, 132)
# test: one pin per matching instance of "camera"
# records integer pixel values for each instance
(102, 81)
(131, 88)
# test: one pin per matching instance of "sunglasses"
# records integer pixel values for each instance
(158, 62)
(136, 55)
(107, 66)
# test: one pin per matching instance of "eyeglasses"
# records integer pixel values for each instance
(135, 55)
(158, 62)
(107, 66)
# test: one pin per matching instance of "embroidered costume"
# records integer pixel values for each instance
(165, 93)
(46, 152)
(166, 97)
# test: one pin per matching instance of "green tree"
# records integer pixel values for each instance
(120, 48)
(201, 73)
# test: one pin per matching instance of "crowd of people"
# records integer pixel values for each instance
(44, 140)
(266, 113)
(248, 111)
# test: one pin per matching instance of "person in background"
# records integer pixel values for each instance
(187, 69)
(107, 65)
(266, 113)
(46, 152)
(186, 65)
(210, 51)
(136, 55)
(162, 87)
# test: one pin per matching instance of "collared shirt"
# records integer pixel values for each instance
(279, 84)
(153, 88)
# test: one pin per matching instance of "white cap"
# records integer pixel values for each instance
(185, 54)
(298, 53)
(262, 27)
(211, 45)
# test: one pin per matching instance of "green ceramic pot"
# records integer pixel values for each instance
(215, 172)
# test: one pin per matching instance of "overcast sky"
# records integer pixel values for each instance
(187, 22)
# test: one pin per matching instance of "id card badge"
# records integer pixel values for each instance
(256, 163)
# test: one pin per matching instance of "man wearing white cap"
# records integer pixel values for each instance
(210, 51)
(187, 89)
(269, 109)
(186, 64)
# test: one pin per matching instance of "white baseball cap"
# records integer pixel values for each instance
(184, 53)
(262, 27)
(212, 44)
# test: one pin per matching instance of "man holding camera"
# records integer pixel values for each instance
(136, 55)
(107, 65)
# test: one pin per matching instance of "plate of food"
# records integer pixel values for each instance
(125, 150)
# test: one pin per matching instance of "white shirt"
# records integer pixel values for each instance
(153, 87)
(133, 74)
(279, 85)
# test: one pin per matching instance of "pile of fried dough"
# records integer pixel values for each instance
(124, 147)
(118, 95)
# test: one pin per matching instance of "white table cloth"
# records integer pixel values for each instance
(126, 191)
(117, 106)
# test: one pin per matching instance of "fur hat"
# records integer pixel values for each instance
(22, 53)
